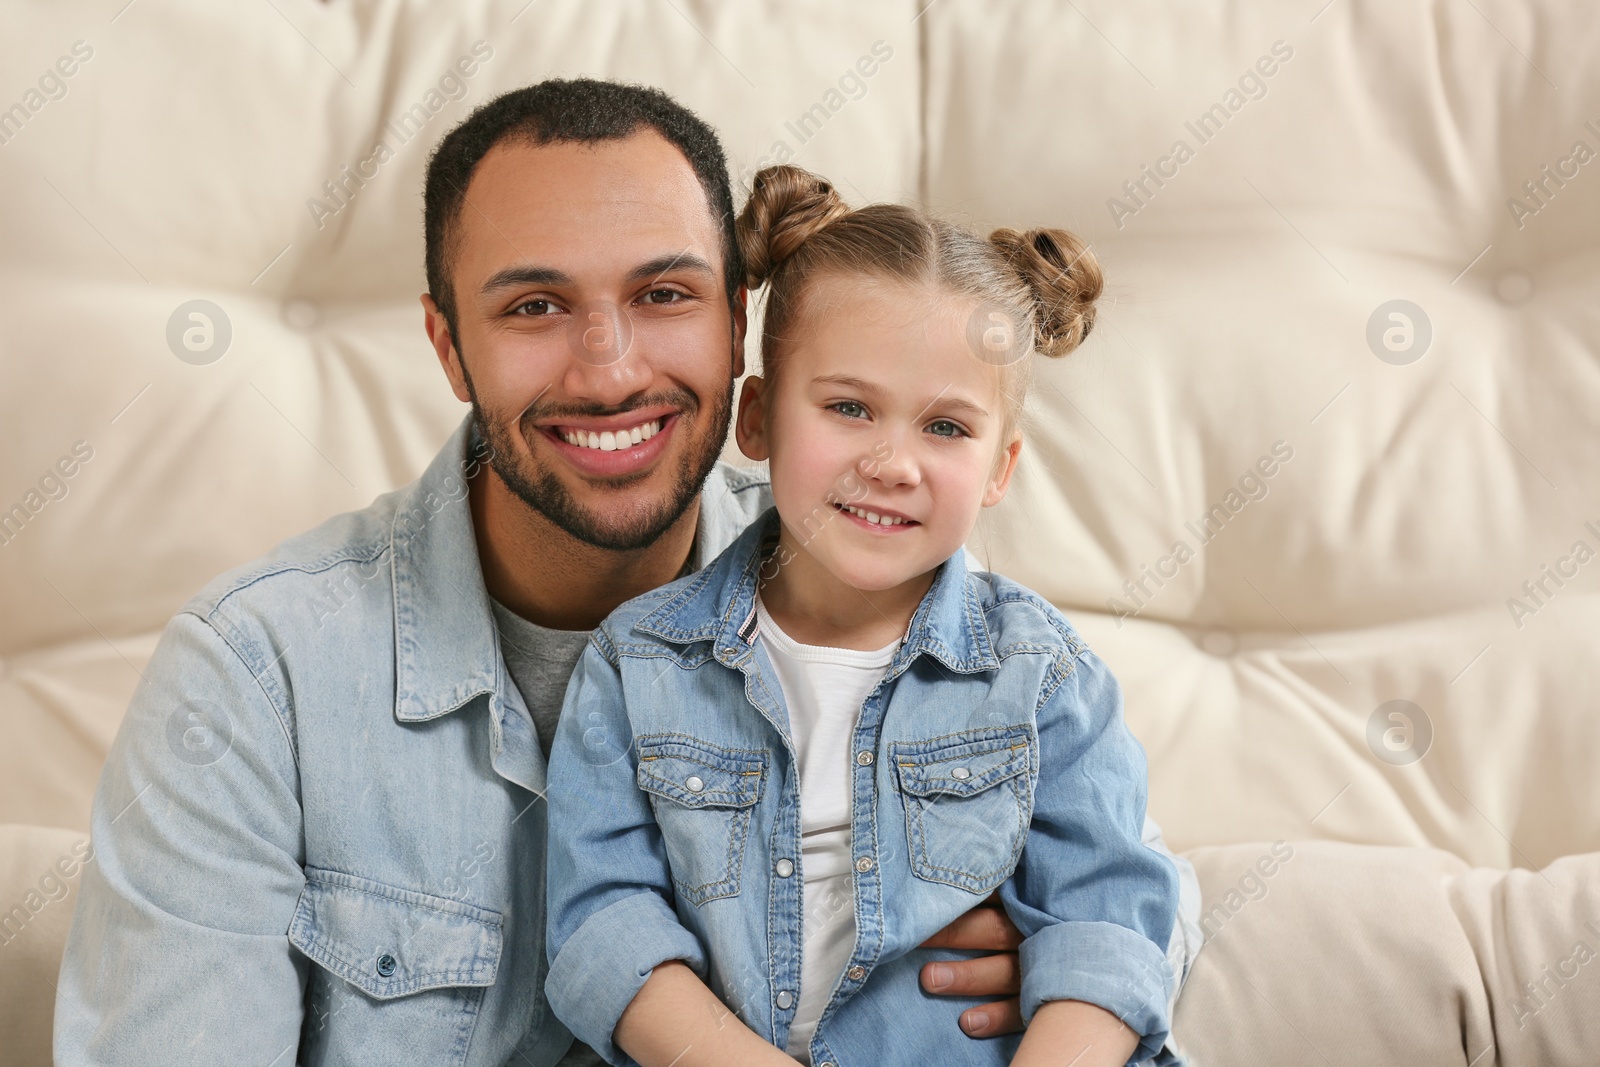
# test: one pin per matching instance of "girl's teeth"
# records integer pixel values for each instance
(612, 440)
(874, 518)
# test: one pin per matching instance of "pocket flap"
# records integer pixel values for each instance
(962, 764)
(391, 942)
(697, 774)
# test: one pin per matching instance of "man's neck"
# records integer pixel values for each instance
(549, 577)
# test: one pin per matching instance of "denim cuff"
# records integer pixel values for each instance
(1103, 964)
(605, 963)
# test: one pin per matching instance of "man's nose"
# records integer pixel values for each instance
(602, 364)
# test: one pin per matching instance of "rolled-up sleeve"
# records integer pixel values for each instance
(177, 952)
(609, 890)
(1094, 903)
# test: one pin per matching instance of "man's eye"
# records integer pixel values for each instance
(534, 308)
(850, 409)
(946, 428)
(663, 296)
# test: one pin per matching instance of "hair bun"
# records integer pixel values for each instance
(786, 206)
(1065, 280)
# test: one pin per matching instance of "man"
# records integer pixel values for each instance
(319, 834)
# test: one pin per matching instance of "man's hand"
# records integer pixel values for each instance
(986, 926)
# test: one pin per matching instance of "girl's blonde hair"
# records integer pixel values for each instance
(1042, 283)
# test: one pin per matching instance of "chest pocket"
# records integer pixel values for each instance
(702, 795)
(398, 970)
(968, 800)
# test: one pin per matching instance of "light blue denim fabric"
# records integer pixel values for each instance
(319, 836)
(992, 755)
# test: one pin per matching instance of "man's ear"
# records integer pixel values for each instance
(1005, 463)
(433, 321)
(750, 427)
(741, 322)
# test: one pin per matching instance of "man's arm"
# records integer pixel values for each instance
(177, 952)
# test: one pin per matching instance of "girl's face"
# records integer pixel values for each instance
(884, 431)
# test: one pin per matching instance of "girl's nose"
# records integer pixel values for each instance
(890, 463)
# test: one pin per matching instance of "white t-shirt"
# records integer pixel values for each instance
(824, 689)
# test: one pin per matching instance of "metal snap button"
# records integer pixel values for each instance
(784, 867)
(385, 965)
(693, 783)
(785, 999)
(856, 973)
(864, 864)
(961, 773)
(864, 758)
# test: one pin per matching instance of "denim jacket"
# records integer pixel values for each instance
(992, 755)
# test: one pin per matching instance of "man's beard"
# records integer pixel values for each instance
(543, 491)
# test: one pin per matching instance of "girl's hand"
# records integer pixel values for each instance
(986, 926)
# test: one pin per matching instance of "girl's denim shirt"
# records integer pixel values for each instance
(991, 756)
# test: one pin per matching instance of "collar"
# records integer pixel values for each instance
(719, 606)
(444, 640)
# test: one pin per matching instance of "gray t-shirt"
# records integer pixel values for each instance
(540, 661)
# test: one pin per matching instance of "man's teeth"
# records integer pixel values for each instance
(611, 440)
(873, 516)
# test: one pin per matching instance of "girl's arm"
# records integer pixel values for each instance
(1094, 903)
(675, 1021)
(1076, 1033)
(621, 961)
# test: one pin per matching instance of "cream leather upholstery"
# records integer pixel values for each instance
(1416, 497)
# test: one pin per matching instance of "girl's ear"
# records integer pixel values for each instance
(750, 427)
(1004, 464)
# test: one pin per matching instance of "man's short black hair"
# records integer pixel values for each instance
(579, 110)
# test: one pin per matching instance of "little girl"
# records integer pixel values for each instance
(773, 780)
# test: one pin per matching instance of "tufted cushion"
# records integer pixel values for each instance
(1270, 531)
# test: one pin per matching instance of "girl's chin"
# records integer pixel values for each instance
(873, 576)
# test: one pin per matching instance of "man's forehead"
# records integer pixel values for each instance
(631, 196)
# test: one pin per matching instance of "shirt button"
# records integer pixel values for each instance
(385, 965)
(864, 758)
(827, 1063)
(693, 783)
(856, 973)
(785, 999)
(864, 864)
(784, 868)
(962, 773)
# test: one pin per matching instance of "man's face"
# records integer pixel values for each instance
(597, 345)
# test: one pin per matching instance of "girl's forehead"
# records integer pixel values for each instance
(911, 337)
(838, 305)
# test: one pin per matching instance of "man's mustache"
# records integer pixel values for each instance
(681, 399)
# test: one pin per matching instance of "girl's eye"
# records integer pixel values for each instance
(534, 308)
(850, 409)
(662, 296)
(945, 428)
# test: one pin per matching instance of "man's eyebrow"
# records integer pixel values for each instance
(513, 277)
(685, 261)
(943, 400)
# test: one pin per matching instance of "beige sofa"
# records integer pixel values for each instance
(1340, 550)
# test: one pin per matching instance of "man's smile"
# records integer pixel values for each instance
(615, 445)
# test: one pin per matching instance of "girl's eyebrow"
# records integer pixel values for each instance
(942, 400)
